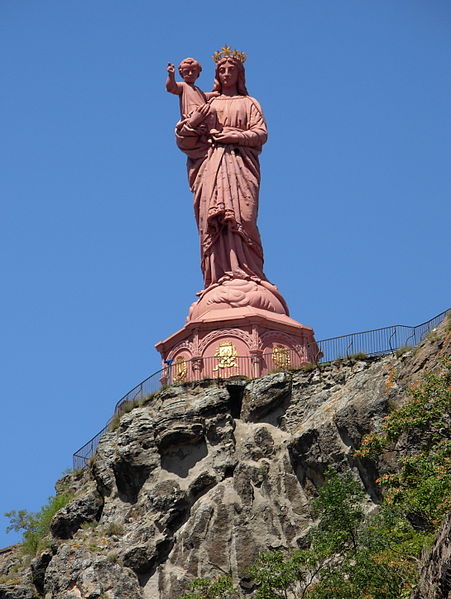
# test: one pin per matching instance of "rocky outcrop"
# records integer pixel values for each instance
(204, 476)
(15, 583)
(38, 569)
(68, 520)
(435, 578)
(17, 591)
(80, 571)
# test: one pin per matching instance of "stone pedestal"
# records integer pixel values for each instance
(237, 328)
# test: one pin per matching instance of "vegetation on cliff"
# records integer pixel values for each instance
(421, 430)
(36, 526)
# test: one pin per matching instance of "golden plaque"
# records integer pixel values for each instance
(181, 370)
(227, 354)
(281, 357)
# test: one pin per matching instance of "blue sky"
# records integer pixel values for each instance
(98, 244)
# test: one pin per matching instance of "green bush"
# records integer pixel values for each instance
(403, 350)
(114, 528)
(36, 526)
(422, 485)
(124, 408)
(358, 356)
(218, 588)
(305, 367)
(127, 407)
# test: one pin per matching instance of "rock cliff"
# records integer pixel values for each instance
(202, 477)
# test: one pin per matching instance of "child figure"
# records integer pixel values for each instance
(191, 97)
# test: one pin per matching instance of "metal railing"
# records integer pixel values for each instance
(372, 343)
(378, 341)
(144, 389)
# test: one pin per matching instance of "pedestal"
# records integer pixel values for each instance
(222, 339)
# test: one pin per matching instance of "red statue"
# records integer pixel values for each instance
(222, 133)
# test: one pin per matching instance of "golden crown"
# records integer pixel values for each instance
(226, 52)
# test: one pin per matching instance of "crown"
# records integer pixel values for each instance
(227, 52)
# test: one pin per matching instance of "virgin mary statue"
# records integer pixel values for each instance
(223, 139)
(239, 312)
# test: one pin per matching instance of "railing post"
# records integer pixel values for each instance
(256, 362)
(389, 340)
(196, 365)
(169, 370)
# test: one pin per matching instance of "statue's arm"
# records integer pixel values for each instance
(171, 84)
(256, 134)
(253, 137)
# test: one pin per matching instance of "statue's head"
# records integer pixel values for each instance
(230, 70)
(190, 69)
(230, 67)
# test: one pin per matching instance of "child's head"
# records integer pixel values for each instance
(190, 69)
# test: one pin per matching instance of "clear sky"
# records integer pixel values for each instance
(99, 250)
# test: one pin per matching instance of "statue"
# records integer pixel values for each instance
(239, 313)
(223, 137)
(191, 97)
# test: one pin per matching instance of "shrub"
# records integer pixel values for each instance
(147, 398)
(10, 580)
(124, 408)
(113, 557)
(305, 367)
(403, 350)
(205, 588)
(114, 528)
(422, 486)
(358, 356)
(87, 526)
(283, 573)
(36, 526)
